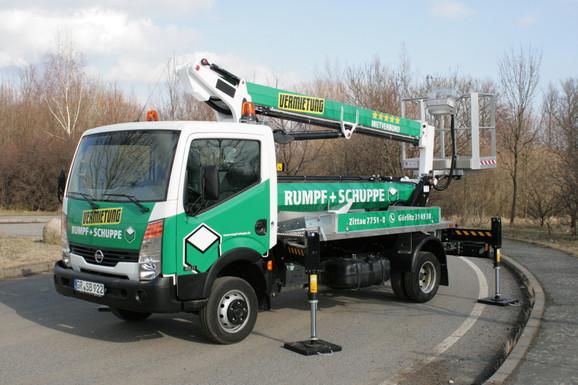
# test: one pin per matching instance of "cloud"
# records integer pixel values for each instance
(105, 36)
(527, 20)
(137, 8)
(126, 42)
(450, 9)
(154, 8)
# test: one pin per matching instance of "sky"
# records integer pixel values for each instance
(130, 42)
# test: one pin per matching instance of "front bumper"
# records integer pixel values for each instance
(156, 296)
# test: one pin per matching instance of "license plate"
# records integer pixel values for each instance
(88, 287)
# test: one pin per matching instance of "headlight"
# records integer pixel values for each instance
(64, 242)
(149, 260)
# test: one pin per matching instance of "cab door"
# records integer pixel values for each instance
(237, 216)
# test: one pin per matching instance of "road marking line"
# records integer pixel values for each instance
(474, 315)
(455, 336)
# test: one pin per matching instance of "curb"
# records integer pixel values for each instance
(530, 329)
(24, 271)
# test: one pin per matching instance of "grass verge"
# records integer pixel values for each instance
(4, 212)
(20, 252)
(551, 237)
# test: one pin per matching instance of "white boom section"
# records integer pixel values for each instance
(211, 87)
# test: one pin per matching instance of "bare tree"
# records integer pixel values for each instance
(64, 84)
(542, 187)
(566, 121)
(380, 88)
(549, 104)
(106, 103)
(50, 99)
(8, 98)
(519, 72)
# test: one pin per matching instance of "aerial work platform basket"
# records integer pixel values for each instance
(473, 147)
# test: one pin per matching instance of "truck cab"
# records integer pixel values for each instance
(153, 212)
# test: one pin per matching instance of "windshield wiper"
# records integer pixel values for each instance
(86, 198)
(132, 199)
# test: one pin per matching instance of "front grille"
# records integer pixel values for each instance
(111, 256)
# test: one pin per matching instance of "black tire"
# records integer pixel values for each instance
(231, 312)
(128, 315)
(398, 285)
(422, 284)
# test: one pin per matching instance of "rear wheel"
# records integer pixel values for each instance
(231, 312)
(422, 284)
(128, 315)
(398, 284)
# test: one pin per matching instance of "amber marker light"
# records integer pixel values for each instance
(152, 116)
(248, 113)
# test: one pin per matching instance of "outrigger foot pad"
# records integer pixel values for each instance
(497, 300)
(311, 347)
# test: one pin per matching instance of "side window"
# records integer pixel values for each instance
(238, 164)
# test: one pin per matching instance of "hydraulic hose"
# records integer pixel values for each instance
(454, 158)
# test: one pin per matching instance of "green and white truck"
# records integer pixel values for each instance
(188, 216)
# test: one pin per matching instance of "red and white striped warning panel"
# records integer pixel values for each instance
(488, 162)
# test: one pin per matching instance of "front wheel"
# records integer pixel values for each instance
(231, 312)
(422, 284)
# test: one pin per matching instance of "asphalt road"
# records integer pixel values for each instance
(23, 226)
(29, 230)
(46, 338)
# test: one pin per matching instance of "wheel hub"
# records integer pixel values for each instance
(237, 312)
(427, 277)
(233, 311)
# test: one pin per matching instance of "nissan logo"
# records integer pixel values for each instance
(99, 256)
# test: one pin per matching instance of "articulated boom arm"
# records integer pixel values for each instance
(225, 93)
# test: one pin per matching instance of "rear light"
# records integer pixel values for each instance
(149, 260)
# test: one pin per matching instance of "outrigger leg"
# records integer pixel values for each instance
(497, 299)
(314, 345)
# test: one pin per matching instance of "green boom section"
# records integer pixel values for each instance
(334, 196)
(372, 121)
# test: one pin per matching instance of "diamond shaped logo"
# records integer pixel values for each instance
(202, 238)
(129, 234)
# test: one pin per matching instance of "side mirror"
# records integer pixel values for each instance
(210, 180)
(61, 184)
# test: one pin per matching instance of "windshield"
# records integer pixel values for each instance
(112, 166)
